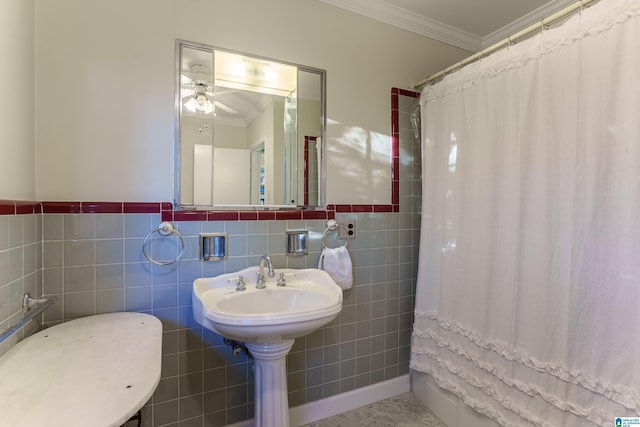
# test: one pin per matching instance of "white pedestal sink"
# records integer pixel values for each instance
(267, 321)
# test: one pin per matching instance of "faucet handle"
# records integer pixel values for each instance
(241, 285)
(281, 280)
(260, 281)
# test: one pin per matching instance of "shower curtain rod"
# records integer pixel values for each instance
(507, 41)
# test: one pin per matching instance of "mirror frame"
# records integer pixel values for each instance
(178, 205)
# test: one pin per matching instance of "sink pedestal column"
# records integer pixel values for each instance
(271, 401)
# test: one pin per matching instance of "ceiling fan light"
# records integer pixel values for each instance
(203, 103)
(208, 107)
(200, 102)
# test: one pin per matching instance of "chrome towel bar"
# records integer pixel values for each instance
(29, 311)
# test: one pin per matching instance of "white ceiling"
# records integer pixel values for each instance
(468, 24)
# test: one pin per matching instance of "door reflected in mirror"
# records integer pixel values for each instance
(245, 127)
(257, 174)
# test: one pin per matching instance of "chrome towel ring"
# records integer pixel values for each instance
(164, 229)
(332, 225)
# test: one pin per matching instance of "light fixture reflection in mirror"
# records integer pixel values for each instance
(242, 126)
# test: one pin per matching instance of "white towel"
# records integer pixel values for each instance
(337, 262)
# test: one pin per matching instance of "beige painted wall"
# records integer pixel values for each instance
(105, 79)
(17, 141)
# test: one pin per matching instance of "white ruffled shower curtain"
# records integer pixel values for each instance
(528, 294)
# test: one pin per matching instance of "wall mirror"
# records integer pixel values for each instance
(249, 131)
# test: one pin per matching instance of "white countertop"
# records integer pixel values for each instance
(93, 371)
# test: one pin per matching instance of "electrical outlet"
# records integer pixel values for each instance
(347, 229)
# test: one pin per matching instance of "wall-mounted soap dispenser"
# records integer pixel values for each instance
(214, 246)
(297, 242)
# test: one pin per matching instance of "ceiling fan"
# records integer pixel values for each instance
(198, 90)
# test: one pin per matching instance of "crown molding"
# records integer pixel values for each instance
(524, 21)
(427, 27)
(406, 20)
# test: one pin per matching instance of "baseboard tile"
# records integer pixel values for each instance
(342, 402)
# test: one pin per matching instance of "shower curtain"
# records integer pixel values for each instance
(528, 293)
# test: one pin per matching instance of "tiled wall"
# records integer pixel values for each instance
(93, 262)
(20, 266)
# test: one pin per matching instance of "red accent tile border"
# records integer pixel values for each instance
(287, 215)
(189, 215)
(104, 207)
(395, 147)
(404, 92)
(361, 208)
(166, 216)
(141, 207)
(384, 208)
(248, 216)
(20, 207)
(61, 207)
(9, 207)
(25, 208)
(315, 215)
(101, 207)
(223, 215)
(266, 215)
(344, 208)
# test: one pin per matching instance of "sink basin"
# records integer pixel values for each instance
(310, 300)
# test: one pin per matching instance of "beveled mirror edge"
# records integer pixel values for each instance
(177, 205)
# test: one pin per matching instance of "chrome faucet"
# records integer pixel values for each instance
(260, 283)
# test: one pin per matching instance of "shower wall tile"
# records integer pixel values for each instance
(16, 230)
(78, 252)
(78, 227)
(20, 268)
(109, 226)
(109, 301)
(109, 251)
(78, 279)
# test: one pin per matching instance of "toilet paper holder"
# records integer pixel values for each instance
(297, 242)
(214, 246)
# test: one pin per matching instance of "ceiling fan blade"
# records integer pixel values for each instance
(186, 92)
(225, 108)
(186, 81)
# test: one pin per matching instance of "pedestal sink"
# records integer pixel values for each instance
(268, 321)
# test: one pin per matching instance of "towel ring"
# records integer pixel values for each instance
(164, 229)
(332, 225)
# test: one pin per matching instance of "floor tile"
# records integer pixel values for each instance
(404, 410)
